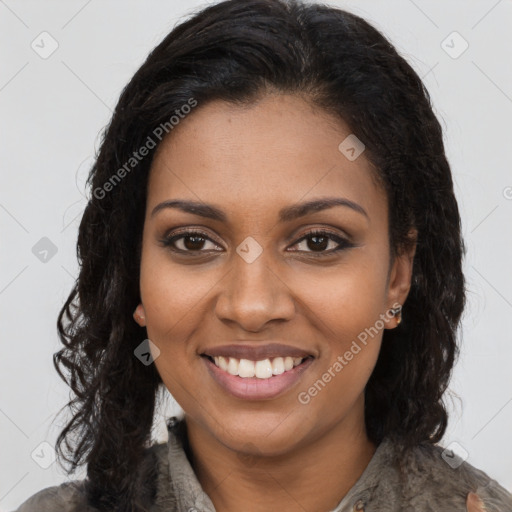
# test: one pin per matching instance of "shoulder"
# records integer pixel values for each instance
(430, 477)
(71, 496)
(67, 497)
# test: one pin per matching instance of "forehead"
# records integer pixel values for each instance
(280, 149)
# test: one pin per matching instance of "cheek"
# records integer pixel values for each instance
(173, 295)
(346, 305)
(347, 298)
(348, 318)
(172, 306)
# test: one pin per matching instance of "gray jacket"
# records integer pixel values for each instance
(433, 481)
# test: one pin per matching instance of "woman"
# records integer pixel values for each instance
(273, 237)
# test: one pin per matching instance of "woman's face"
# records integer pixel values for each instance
(251, 282)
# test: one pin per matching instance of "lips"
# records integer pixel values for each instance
(257, 372)
(255, 388)
(257, 352)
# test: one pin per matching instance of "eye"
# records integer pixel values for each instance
(318, 241)
(190, 241)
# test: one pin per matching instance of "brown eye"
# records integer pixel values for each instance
(190, 241)
(322, 242)
(193, 242)
(317, 243)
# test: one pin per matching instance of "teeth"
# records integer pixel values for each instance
(246, 368)
(233, 366)
(263, 369)
(278, 366)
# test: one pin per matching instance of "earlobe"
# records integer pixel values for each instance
(396, 314)
(400, 281)
(139, 315)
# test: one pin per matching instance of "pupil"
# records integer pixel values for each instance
(323, 244)
(197, 242)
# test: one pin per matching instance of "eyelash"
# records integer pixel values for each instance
(342, 242)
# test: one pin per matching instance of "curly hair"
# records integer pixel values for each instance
(238, 51)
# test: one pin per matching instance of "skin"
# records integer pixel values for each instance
(474, 503)
(250, 162)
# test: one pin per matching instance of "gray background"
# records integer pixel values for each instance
(53, 109)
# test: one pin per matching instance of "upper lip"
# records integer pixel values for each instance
(256, 352)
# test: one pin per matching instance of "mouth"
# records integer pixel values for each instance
(261, 369)
(257, 371)
(264, 379)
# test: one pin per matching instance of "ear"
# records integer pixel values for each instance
(400, 278)
(139, 315)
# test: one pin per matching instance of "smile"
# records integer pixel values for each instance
(263, 369)
(255, 380)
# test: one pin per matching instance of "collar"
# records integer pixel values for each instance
(190, 496)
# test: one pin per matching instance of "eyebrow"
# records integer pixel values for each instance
(287, 214)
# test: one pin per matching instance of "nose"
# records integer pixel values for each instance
(253, 295)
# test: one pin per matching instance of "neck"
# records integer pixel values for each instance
(330, 465)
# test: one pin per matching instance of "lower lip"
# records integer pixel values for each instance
(253, 388)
